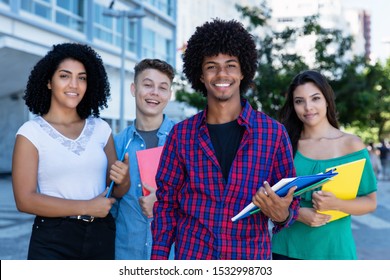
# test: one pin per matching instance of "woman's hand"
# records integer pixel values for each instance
(310, 217)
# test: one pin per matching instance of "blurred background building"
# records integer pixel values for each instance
(28, 29)
(333, 15)
(153, 28)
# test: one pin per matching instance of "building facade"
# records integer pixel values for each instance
(30, 28)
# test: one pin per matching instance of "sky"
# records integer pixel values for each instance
(380, 23)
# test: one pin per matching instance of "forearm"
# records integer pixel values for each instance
(358, 206)
(120, 190)
(49, 206)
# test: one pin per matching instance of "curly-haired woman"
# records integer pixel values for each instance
(65, 157)
(213, 164)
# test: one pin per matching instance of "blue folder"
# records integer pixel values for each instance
(303, 183)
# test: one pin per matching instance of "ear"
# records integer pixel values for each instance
(132, 89)
(201, 78)
(49, 84)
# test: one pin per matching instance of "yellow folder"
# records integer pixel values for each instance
(345, 185)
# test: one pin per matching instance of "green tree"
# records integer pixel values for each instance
(186, 95)
(378, 80)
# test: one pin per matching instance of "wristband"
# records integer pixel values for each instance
(285, 221)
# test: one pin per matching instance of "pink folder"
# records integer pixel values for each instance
(148, 161)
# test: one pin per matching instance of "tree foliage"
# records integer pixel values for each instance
(358, 85)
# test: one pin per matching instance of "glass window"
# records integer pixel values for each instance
(74, 6)
(69, 13)
(103, 25)
(154, 45)
(42, 11)
(131, 35)
(148, 43)
(161, 51)
(162, 5)
(109, 29)
(37, 7)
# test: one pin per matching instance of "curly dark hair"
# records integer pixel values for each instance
(287, 114)
(156, 64)
(220, 37)
(38, 96)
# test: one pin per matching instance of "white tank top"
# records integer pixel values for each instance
(71, 169)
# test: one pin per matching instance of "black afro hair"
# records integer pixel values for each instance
(220, 37)
(38, 96)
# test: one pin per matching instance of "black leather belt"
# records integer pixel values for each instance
(84, 218)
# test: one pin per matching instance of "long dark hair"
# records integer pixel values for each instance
(287, 114)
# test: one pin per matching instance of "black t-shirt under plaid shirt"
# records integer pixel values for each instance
(226, 139)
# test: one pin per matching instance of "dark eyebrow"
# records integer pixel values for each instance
(232, 60)
(314, 94)
(228, 61)
(69, 72)
(150, 80)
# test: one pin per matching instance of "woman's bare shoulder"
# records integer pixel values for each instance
(352, 143)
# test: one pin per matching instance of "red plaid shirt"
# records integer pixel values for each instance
(195, 204)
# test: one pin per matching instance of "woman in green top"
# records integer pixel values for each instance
(310, 118)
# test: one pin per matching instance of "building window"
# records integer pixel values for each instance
(155, 45)
(69, 13)
(165, 6)
(131, 35)
(148, 43)
(109, 29)
(103, 25)
(41, 8)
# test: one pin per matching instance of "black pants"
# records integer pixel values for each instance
(71, 239)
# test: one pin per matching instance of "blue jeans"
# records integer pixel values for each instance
(71, 239)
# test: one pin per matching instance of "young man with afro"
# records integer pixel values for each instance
(223, 158)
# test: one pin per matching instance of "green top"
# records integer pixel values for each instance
(333, 241)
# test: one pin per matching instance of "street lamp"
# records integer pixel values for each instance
(122, 15)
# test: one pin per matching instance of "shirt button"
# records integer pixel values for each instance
(142, 145)
(139, 185)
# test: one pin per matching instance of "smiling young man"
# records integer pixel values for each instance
(216, 162)
(152, 91)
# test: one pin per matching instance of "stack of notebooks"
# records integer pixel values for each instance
(344, 186)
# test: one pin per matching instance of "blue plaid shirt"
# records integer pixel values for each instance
(133, 235)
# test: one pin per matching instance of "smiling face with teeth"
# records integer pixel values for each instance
(68, 84)
(152, 92)
(221, 75)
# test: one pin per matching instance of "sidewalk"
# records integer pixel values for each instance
(15, 227)
(371, 231)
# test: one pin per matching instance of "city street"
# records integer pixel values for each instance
(372, 232)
